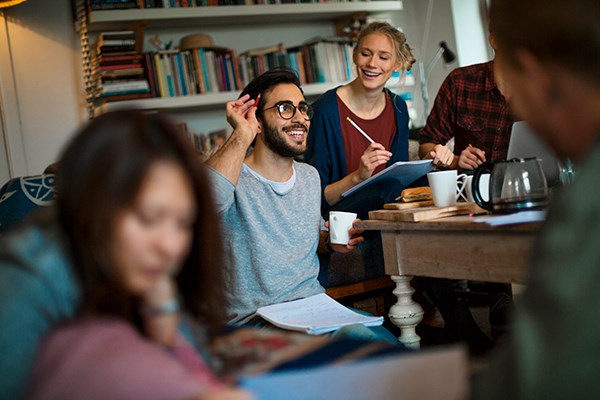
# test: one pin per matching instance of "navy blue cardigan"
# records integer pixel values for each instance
(325, 147)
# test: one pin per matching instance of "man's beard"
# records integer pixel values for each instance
(276, 142)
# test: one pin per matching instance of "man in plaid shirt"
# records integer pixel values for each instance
(471, 108)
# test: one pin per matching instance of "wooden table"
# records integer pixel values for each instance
(453, 248)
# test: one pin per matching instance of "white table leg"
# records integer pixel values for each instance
(406, 313)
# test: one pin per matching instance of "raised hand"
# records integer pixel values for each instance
(241, 115)
(161, 322)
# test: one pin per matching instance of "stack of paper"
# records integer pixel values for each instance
(314, 315)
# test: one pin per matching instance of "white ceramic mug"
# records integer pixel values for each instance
(446, 187)
(339, 224)
(484, 188)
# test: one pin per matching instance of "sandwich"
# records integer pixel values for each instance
(410, 195)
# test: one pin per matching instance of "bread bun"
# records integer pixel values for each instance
(415, 194)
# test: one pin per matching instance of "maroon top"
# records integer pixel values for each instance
(108, 359)
(470, 108)
(381, 129)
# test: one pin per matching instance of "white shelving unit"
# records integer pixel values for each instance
(239, 16)
(252, 14)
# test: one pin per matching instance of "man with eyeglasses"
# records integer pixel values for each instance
(269, 203)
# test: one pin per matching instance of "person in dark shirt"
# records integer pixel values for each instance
(547, 53)
(470, 108)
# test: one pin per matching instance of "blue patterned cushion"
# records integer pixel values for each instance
(20, 196)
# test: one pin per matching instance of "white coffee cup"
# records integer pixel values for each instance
(484, 187)
(446, 187)
(339, 224)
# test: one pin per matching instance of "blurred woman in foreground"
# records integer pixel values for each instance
(136, 212)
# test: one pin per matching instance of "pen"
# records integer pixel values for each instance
(360, 130)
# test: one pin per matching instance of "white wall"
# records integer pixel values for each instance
(48, 104)
(428, 32)
(471, 31)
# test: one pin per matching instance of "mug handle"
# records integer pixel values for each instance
(461, 186)
(483, 168)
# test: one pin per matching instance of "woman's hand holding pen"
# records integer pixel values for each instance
(471, 158)
(374, 156)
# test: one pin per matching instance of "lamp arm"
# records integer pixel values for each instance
(435, 59)
(424, 92)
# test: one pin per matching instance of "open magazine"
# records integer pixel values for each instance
(407, 171)
(314, 315)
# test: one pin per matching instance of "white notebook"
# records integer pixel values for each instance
(407, 171)
(314, 315)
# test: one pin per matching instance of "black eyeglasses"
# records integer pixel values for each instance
(287, 109)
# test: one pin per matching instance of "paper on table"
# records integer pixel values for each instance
(314, 315)
(516, 218)
(407, 171)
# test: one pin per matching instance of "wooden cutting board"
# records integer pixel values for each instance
(405, 206)
(425, 213)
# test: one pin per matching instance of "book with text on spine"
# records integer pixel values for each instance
(314, 315)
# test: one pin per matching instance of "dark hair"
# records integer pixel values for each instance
(556, 32)
(101, 173)
(263, 85)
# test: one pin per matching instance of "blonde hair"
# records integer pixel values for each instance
(402, 50)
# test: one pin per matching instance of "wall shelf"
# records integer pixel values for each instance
(226, 16)
(200, 101)
(247, 15)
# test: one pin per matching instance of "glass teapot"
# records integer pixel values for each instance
(515, 185)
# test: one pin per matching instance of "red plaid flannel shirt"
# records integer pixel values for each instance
(470, 108)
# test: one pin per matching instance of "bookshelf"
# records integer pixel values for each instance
(243, 15)
(241, 18)
(200, 101)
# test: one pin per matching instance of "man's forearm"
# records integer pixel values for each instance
(230, 156)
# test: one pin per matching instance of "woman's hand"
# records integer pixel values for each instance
(374, 156)
(471, 158)
(442, 156)
(161, 326)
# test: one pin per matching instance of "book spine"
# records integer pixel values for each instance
(181, 75)
(160, 75)
(150, 73)
(119, 66)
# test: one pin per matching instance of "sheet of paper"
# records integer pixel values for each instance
(516, 218)
(315, 315)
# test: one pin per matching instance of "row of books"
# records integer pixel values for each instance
(122, 73)
(119, 68)
(97, 5)
(319, 60)
(174, 73)
(205, 144)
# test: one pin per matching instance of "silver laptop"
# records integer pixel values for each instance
(525, 143)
